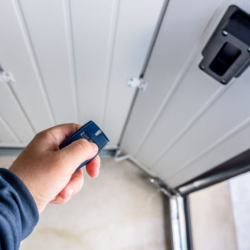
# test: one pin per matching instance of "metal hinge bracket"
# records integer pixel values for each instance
(162, 187)
(6, 77)
(139, 83)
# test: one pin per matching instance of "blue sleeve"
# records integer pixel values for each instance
(18, 211)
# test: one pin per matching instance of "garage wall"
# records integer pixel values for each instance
(186, 122)
(71, 61)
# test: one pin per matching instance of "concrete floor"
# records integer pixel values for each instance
(122, 210)
(119, 210)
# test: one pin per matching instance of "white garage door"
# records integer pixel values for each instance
(71, 60)
(186, 122)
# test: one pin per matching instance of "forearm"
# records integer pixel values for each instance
(18, 211)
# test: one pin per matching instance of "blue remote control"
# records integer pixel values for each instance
(91, 132)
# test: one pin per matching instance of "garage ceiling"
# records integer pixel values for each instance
(186, 122)
(71, 61)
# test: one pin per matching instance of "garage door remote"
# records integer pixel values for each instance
(91, 132)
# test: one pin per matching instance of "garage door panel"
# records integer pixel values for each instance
(15, 127)
(185, 115)
(71, 59)
(185, 107)
(174, 51)
(6, 135)
(135, 28)
(17, 56)
(230, 110)
(92, 29)
(47, 23)
(225, 149)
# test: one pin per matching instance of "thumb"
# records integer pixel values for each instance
(77, 152)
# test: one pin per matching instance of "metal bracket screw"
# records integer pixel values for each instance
(223, 81)
(202, 67)
(248, 50)
(152, 180)
(162, 188)
(224, 33)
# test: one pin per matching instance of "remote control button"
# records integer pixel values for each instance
(85, 136)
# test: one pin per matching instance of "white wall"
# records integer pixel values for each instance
(212, 220)
(240, 193)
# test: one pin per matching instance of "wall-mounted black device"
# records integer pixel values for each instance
(227, 53)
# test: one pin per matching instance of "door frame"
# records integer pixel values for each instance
(180, 213)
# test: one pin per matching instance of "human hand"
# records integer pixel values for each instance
(48, 172)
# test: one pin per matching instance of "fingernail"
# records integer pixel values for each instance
(70, 192)
(94, 146)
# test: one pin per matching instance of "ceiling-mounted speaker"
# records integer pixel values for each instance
(227, 53)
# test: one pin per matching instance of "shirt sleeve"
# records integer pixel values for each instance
(18, 211)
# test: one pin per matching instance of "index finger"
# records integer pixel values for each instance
(60, 133)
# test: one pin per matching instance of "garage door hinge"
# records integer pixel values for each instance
(6, 77)
(139, 83)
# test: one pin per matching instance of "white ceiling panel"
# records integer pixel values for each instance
(228, 112)
(93, 30)
(185, 116)
(48, 30)
(17, 56)
(189, 102)
(71, 59)
(6, 134)
(14, 128)
(135, 27)
(227, 147)
(174, 50)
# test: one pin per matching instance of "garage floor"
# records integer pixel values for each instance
(119, 210)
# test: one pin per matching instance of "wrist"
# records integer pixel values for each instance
(24, 178)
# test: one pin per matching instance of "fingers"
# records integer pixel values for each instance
(73, 186)
(93, 167)
(76, 153)
(56, 135)
(76, 182)
(59, 200)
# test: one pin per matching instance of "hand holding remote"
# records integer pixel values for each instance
(49, 173)
(92, 133)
